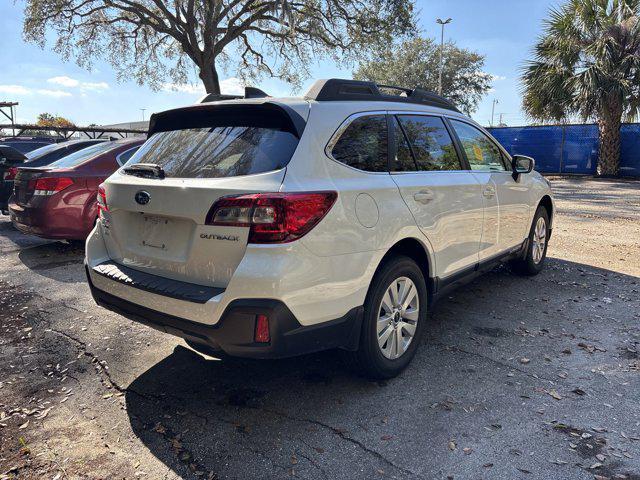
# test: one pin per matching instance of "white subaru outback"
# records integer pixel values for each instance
(266, 228)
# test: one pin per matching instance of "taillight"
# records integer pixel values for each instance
(11, 173)
(261, 334)
(102, 200)
(273, 217)
(50, 185)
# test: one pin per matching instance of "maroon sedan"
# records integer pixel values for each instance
(58, 201)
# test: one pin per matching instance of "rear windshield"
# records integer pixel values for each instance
(42, 150)
(220, 151)
(81, 156)
(223, 142)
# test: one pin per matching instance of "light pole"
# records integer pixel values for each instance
(143, 110)
(442, 23)
(493, 109)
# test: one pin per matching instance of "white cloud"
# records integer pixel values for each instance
(64, 81)
(69, 82)
(21, 90)
(14, 89)
(230, 86)
(497, 78)
(184, 88)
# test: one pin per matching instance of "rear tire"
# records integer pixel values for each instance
(392, 324)
(532, 262)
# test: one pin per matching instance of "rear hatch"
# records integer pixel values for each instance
(156, 218)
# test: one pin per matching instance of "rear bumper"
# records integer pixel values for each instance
(45, 221)
(234, 332)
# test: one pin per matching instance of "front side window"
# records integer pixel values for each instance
(430, 142)
(363, 144)
(481, 152)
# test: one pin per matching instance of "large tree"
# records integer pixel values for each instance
(587, 64)
(159, 41)
(415, 62)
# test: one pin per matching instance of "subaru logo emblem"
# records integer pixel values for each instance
(142, 197)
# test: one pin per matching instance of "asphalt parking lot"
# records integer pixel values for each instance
(532, 378)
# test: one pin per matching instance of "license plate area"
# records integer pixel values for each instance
(155, 232)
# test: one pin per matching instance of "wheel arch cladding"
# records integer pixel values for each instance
(548, 205)
(415, 250)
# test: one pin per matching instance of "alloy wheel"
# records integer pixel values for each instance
(398, 315)
(539, 240)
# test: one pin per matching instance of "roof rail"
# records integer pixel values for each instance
(249, 92)
(335, 89)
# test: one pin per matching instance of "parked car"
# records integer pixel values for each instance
(27, 144)
(48, 154)
(59, 201)
(10, 159)
(270, 227)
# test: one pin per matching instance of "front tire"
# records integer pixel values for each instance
(533, 261)
(395, 314)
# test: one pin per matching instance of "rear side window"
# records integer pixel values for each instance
(126, 155)
(363, 144)
(221, 151)
(430, 142)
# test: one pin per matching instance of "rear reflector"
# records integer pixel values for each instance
(273, 217)
(50, 185)
(262, 329)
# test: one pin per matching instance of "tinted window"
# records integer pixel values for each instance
(363, 145)
(83, 155)
(213, 152)
(404, 158)
(480, 150)
(42, 150)
(430, 142)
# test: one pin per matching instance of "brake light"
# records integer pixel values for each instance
(261, 334)
(11, 173)
(273, 217)
(50, 185)
(102, 200)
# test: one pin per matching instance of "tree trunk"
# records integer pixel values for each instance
(609, 127)
(209, 77)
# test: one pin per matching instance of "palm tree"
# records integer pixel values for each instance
(587, 64)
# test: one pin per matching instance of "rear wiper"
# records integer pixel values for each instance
(145, 170)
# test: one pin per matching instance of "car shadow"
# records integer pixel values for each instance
(47, 259)
(313, 418)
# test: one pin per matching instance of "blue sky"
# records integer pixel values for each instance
(502, 30)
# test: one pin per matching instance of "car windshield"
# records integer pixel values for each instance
(220, 151)
(42, 150)
(83, 155)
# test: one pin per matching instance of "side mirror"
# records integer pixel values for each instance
(521, 164)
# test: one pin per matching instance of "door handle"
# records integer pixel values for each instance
(423, 196)
(489, 192)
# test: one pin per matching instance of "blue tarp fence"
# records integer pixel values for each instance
(569, 148)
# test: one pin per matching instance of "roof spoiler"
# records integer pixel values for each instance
(335, 89)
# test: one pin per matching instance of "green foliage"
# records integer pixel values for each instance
(587, 60)
(415, 62)
(587, 64)
(158, 41)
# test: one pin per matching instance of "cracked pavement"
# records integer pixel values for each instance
(531, 378)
